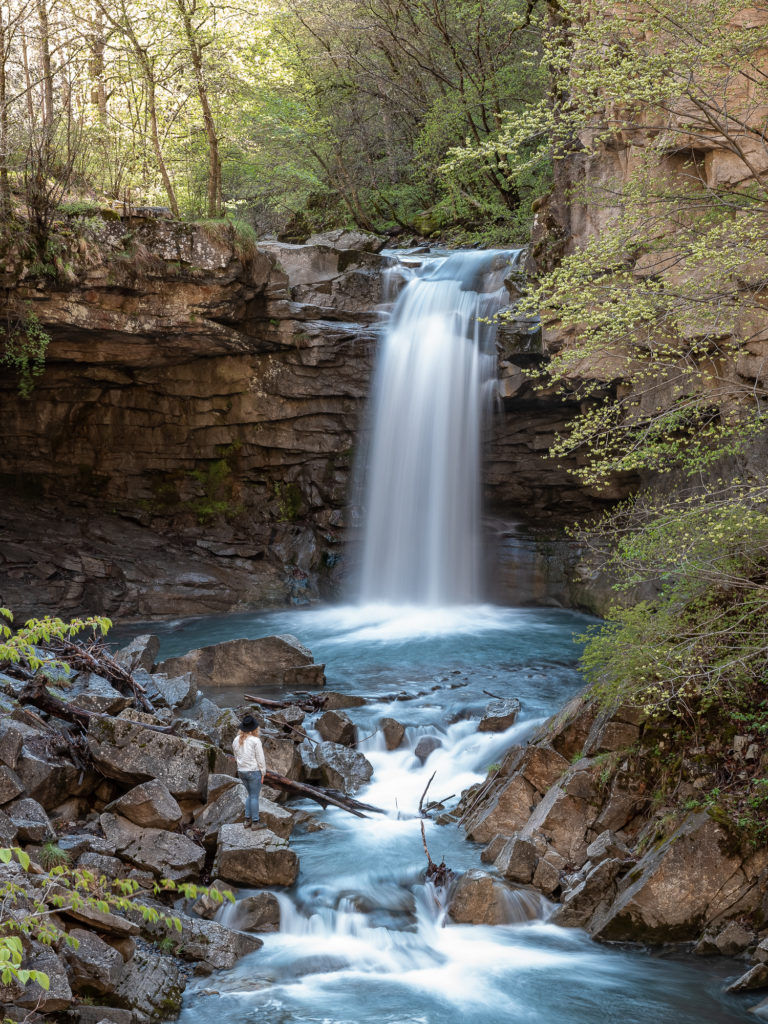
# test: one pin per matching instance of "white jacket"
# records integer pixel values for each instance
(249, 754)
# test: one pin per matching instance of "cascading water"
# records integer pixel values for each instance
(431, 388)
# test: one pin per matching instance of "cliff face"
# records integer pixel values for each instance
(188, 446)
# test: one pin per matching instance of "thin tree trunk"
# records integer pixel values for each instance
(5, 187)
(45, 55)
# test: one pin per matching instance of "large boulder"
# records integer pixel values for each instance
(166, 854)
(227, 807)
(140, 653)
(506, 810)
(127, 751)
(29, 820)
(597, 889)
(151, 986)
(46, 771)
(149, 804)
(281, 755)
(499, 715)
(94, 966)
(679, 887)
(336, 727)
(425, 746)
(255, 857)
(342, 768)
(394, 732)
(215, 944)
(175, 692)
(257, 913)
(208, 722)
(480, 898)
(58, 995)
(517, 860)
(92, 692)
(270, 661)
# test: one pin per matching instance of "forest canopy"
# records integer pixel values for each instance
(282, 112)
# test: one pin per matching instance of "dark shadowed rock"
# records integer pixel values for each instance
(270, 661)
(425, 746)
(126, 751)
(580, 903)
(336, 727)
(394, 732)
(152, 986)
(10, 784)
(87, 1014)
(149, 804)
(255, 857)
(499, 715)
(94, 966)
(342, 768)
(30, 820)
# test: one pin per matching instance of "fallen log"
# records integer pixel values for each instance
(324, 797)
(308, 704)
(37, 694)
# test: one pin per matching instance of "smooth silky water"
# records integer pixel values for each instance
(362, 938)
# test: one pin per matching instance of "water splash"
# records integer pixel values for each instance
(432, 386)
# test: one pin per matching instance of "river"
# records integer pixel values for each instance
(362, 938)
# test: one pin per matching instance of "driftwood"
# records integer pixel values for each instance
(324, 797)
(37, 693)
(438, 874)
(97, 659)
(308, 704)
(421, 811)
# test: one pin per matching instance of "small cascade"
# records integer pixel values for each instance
(432, 388)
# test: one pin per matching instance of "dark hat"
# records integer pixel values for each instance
(249, 723)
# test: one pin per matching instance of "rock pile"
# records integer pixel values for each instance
(566, 816)
(139, 797)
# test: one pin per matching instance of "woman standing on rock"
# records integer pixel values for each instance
(251, 765)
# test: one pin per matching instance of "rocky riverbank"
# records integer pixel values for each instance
(578, 816)
(107, 801)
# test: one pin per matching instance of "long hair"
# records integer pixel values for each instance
(248, 727)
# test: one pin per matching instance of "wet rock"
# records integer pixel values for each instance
(506, 810)
(92, 692)
(94, 966)
(517, 860)
(58, 996)
(336, 727)
(30, 820)
(151, 986)
(760, 1010)
(755, 978)
(10, 784)
(124, 750)
(394, 732)
(342, 768)
(425, 746)
(258, 913)
(580, 903)
(734, 939)
(149, 804)
(310, 766)
(499, 715)
(270, 661)
(166, 854)
(255, 857)
(141, 652)
(676, 888)
(480, 898)
(334, 701)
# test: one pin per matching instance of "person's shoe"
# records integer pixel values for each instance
(255, 823)
(247, 823)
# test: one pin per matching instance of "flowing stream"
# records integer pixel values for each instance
(362, 938)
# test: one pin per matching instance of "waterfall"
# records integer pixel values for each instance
(432, 386)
